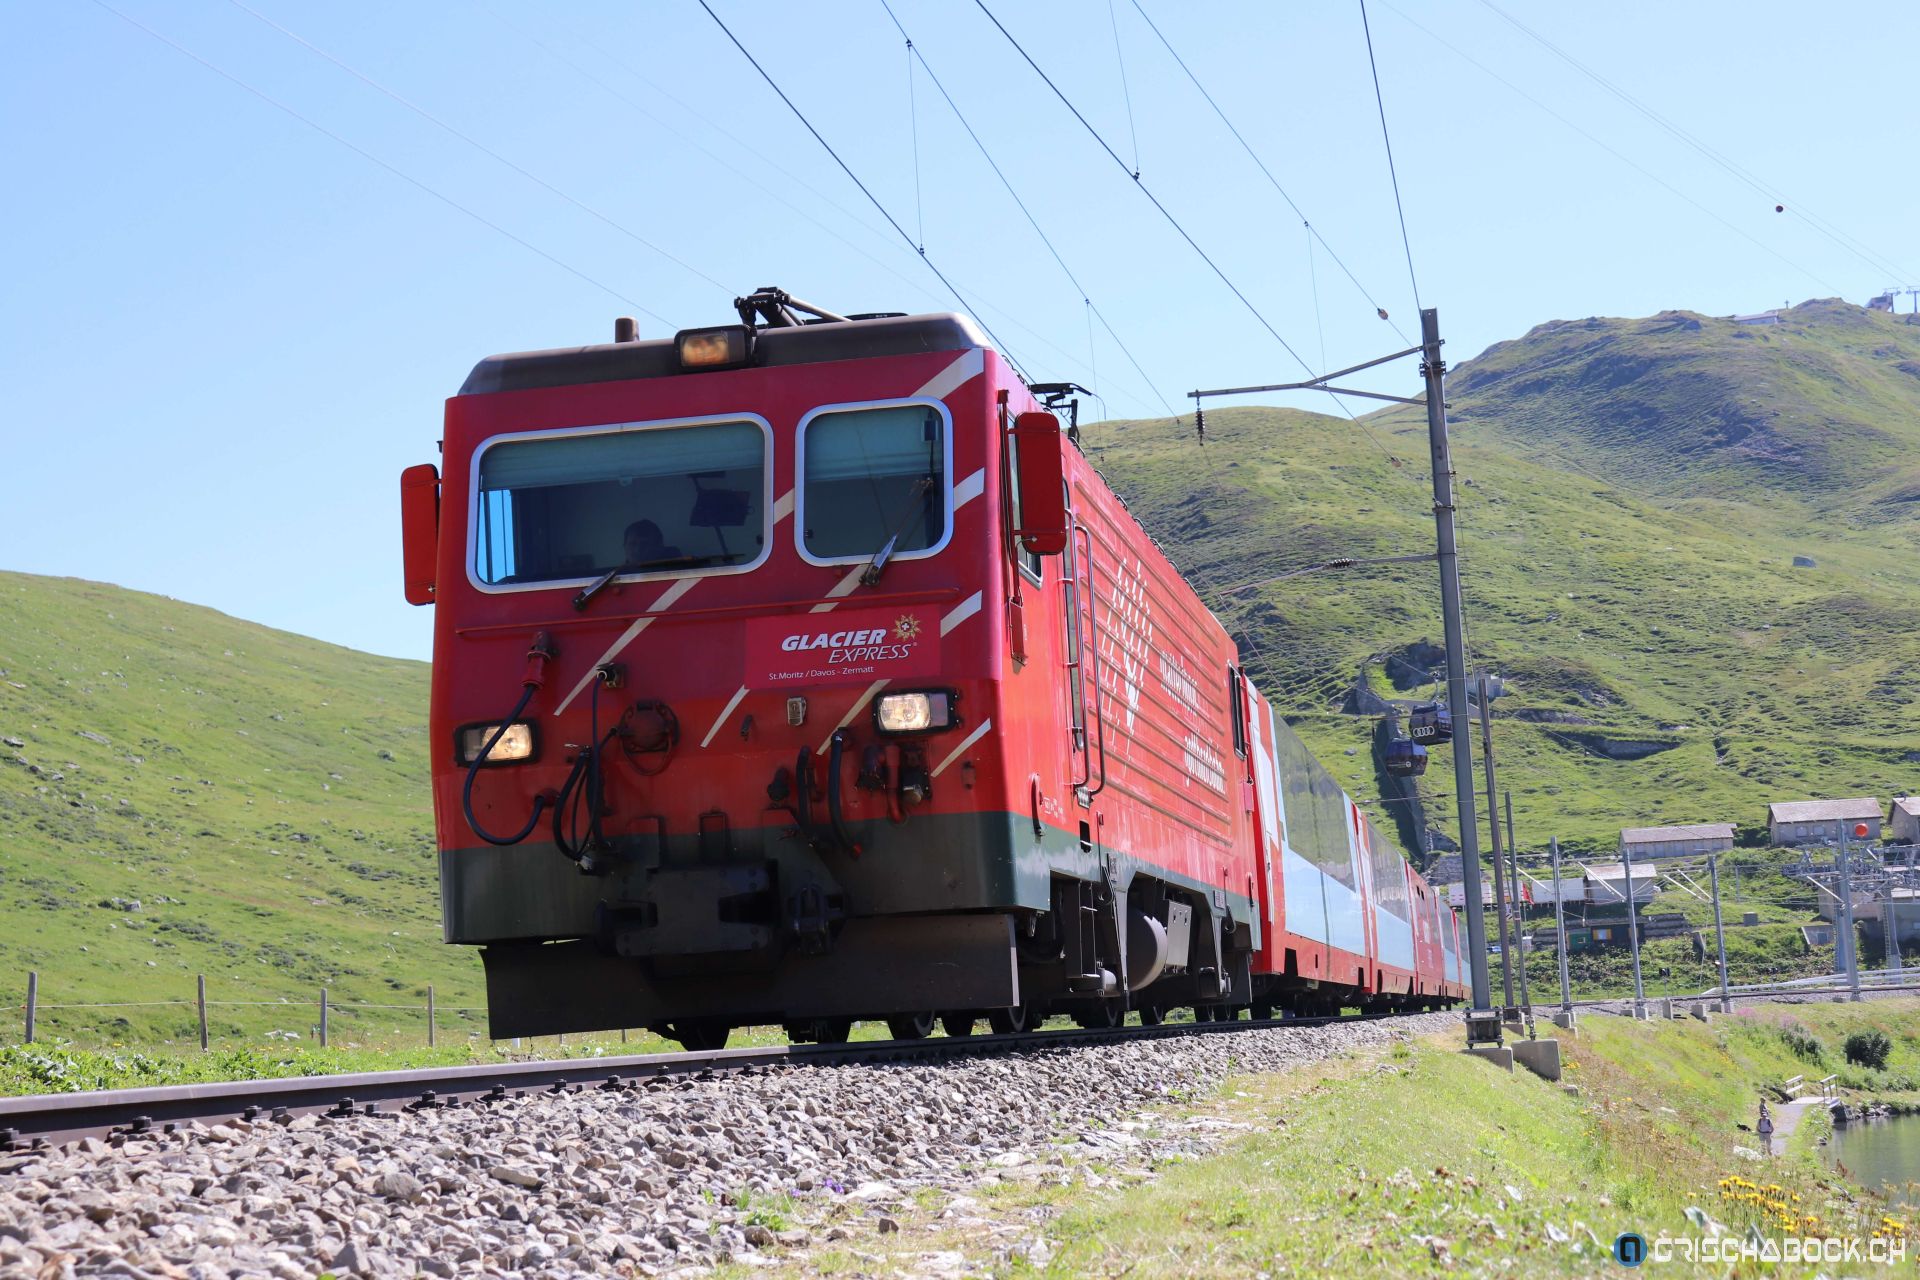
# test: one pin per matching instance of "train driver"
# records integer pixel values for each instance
(645, 546)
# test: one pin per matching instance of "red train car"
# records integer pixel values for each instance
(804, 672)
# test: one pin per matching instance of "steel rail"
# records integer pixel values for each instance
(115, 1115)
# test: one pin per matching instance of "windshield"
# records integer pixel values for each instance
(872, 474)
(665, 500)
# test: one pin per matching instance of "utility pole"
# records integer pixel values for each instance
(1844, 920)
(1510, 1012)
(1481, 1025)
(1519, 914)
(1633, 933)
(1890, 924)
(1719, 932)
(1483, 1022)
(1560, 925)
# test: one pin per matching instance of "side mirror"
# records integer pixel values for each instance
(1040, 491)
(419, 530)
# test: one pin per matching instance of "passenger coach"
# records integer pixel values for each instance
(799, 672)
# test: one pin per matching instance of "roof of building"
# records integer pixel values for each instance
(1909, 805)
(1658, 835)
(1824, 810)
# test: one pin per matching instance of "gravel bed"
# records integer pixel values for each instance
(644, 1181)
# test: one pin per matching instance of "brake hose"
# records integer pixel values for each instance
(847, 842)
(538, 655)
(583, 783)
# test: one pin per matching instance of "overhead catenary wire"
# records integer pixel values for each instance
(1268, 173)
(1120, 56)
(1174, 222)
(1788, 205)
(1387, 138)
(869, 228)
(393, 169)
(913, 128)
(1085, 297)
(855, 178)
(476, 144)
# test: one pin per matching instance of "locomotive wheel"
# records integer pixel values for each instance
(832, 1030)
(1262, 1011)
(910, 1026)
(1151, 1015)
(700, 1035)
(957, 1024)
(1102, 1016)
(1204, 1012)
(1006, 1022)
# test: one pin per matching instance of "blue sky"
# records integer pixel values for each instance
(224, 332)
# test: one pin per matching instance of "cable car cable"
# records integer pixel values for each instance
(1621, 156)
(1858, 248)
(395, 170)
(844, 168)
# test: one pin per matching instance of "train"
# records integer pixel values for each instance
(802, 670)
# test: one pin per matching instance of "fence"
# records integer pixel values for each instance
(324, 1004)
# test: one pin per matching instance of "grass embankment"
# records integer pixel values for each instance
(1421, 1160)
(184, 793)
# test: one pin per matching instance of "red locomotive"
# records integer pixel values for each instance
(803, 670)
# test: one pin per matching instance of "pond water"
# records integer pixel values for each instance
(1883, 1154)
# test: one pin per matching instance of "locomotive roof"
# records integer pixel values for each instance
(789, 345)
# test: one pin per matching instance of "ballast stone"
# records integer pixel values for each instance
(590, 1186)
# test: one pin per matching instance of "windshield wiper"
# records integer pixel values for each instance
(605, 580)
(870, 575)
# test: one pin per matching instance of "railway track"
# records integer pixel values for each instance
(113, 1115)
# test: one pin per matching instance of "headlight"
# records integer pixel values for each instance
(914, 712)
(515, 744)
(724, 347)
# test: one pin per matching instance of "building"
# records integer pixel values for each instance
(1607, 884)
(1822, 821)
(1905, 820)
(1671, 842)
(1759, 317)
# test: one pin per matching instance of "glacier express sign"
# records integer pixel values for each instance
(855, 646)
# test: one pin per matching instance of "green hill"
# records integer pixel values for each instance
(260, 796)
(1633, 496)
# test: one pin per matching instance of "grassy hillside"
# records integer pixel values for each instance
(1628, 564)
(262, 797)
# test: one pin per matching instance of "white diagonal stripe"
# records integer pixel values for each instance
(969, 489)
(783, 508)
(839, 589)
(960, 613)
(725, 711)
(678, 588)
(852, 711)
(954, 376)
(966, 742)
